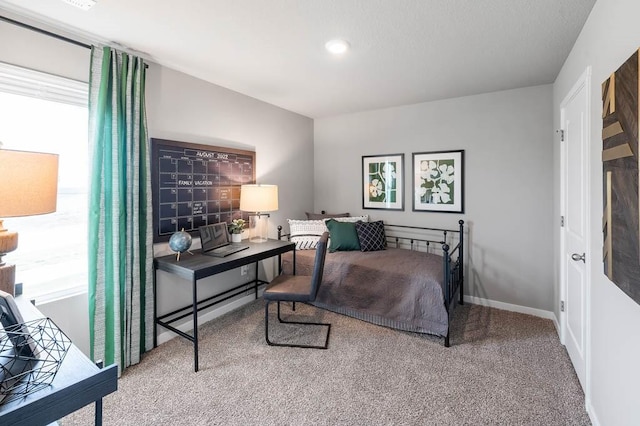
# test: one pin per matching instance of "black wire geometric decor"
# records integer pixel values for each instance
(30, 356)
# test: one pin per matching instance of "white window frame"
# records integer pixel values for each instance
(27, 82)
(36, 84)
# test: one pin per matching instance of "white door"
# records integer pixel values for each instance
(575, 224)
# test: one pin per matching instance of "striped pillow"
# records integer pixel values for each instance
(306, 233)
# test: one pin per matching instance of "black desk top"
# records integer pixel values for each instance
(199, 265)
(78, 382)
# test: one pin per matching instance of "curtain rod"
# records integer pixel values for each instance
(49, 33)
(45, 32)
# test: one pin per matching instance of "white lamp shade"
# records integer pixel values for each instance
(28, 183)
(259, 198)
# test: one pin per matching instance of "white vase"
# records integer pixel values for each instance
(236, 238)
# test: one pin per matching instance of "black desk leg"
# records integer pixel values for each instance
(98, 414)
(294, 272)
(155, 308)
(256, 282)
(98, 421)
(195, 325)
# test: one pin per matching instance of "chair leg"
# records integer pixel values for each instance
(269, 342)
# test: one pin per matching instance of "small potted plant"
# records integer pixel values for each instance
(236, 228)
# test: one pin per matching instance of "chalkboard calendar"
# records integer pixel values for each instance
(195, 185)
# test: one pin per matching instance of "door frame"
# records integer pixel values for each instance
(584, 81)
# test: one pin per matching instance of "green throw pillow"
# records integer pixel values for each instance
(343, 236)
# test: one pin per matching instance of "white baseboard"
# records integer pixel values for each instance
(592, 414)
(166, 335)
(513, 308)
(556, 324)
(187, 325)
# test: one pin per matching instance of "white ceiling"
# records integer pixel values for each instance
(402, 51)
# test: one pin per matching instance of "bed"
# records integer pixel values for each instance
(412, 284)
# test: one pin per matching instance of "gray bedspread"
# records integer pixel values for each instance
(396, 288)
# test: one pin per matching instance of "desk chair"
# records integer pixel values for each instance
(297, 288)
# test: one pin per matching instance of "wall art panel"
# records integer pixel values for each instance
(621, 218)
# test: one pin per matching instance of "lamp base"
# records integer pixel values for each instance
(8, 243)
(258, 227)
(8, 279)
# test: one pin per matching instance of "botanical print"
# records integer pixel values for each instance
(382, 177)
(438, 181)
(382, 182)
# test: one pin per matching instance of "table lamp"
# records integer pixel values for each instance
(28, 186)
(258, 199)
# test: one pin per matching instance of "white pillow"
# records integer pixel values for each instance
(354, 219)
(306, 233)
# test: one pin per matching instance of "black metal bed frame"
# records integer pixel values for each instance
(453, 268)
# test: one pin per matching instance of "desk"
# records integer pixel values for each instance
(198, 266)
(79, 382)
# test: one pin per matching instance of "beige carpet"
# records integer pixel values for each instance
(502, 368)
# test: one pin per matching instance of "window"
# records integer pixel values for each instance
(46, 113)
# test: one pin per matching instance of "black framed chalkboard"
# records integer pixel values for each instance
(195, 185)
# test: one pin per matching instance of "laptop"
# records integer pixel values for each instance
(215, 240)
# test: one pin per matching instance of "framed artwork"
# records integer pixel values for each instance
(438, 181)
(620, 143)
(382, 182)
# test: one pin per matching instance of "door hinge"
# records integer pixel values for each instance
(562, 306)
(561, 133)
(562, 221)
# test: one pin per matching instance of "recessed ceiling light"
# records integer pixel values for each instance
(337, 46)
(81, 4)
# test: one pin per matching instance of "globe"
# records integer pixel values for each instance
(180, 241)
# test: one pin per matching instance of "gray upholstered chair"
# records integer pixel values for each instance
(297, 288)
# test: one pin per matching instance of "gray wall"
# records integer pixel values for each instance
(183, 108)
(609, 37)
(508, 164)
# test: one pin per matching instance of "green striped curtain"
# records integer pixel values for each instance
(120, 239)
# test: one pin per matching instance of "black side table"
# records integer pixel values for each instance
(79, 382)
